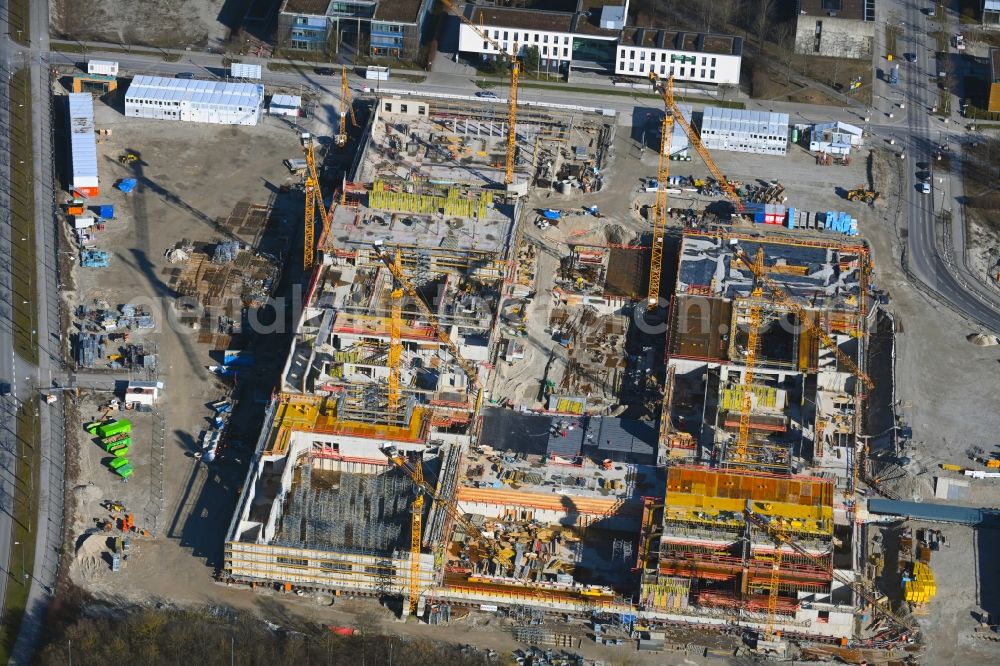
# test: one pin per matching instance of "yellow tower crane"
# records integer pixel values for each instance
(397, 458)
(781, 298)
(395, 348)
(750, 363)
(667, 91)
(515, 71)
(396, 269)
(416, 532)
(345, 108)
(314, 202)
(660, 212)
(901, 625)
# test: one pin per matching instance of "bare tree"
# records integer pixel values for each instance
(726, 10)
(762, 18)
(784, 36)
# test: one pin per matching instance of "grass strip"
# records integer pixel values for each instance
(18, 14)
(21, 565)
(24, 301)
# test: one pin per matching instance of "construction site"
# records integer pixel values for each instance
(459, 372)
(409, 306)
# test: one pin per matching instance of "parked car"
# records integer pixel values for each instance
(925, 188)
(488, 94)
(910, 57)
(185, 75)
(323, 71)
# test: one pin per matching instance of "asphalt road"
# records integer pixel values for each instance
(948, 278)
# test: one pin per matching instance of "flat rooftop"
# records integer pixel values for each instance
(399, 11)
(816, 275)
(544, 456)
(682, 41)
(841, 9)
(315, 7)
(367, 225)
(529, 19)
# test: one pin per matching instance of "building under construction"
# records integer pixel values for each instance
(379, 406)
(760, 421)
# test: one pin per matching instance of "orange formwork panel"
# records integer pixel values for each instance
(590, 506)
(745, 485)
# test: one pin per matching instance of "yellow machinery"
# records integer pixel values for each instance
(314, 202)
(660, 212)
(515, 71)
(416, 530)
(667, 90)
(397, 272)
(345, 108)
(779, 297)
(395, 347)
(862, 193)
(750, 362)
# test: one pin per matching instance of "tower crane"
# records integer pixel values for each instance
(667, 90)
(660, 212)
(397, 458)
(515, 71)
(416, 533)
(314, 202)
(750, 363)
(779, 534)
(345, 108)
(779, 296)
(392, 263)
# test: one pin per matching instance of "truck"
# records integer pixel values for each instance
(959, 42)
(373, 73)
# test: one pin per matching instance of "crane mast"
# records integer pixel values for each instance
(660, 212)
(314, 202)
(397, 272)
(779, 296)
(399, 460)
(667, 90)
(515, 71)
(750, 363)
(416, 530)
(345, 108)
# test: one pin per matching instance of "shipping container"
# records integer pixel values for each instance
(377, 73)
(83, 145)
(83, 222)
(113, 428)
(240, 70)
(105, 67)
(194, 100)
(106, 211)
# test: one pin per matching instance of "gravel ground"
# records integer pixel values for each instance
(163, 23)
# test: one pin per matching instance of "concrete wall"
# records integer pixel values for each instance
(840, 38)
